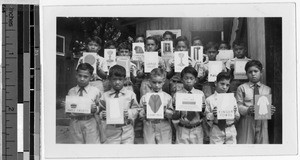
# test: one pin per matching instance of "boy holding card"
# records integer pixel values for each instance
(222, 131)
(197, 41)
(240, 51)
(158, 105)
(168, 36)
(94, 45)
(139, 38)
(120, 106)
(251, 131)
(84, 127)
(188, 124)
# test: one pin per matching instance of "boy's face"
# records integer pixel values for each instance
(157, 83)
(212, 54)
(83, 78)
(93, 47)
(239, 51)
(117, 82)
(254, 74)
(188, 81)
(139, 40)
(151, 46)
(223, 47)
(168, 37)
(124, 52)
(197, 42)
(181, 46)
(222, 86)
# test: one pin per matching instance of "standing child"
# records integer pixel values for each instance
(84, 127)
(94, 45)
(157, 131)
(249, 130)
(222, 131)
(188, 123)
(120, 133)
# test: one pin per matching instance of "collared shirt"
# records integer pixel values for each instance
(232, 62)
(101, 64)
(89, 91)
(244, 95)
(167, 100)
(211, 103)
(197, 118)
(128, 99)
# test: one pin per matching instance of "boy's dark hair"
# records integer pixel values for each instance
(184, 39)
(139, 35)
(124, 45)
(96, 39)
(226, 43)
(158, 72)
(110, 43)
(190, 70)
(152, 38)
(168, 33)
(196, 38)
(253, 63)
(85, 66)
(118, 71)
(210, 45)
(239, 43)
(224, 75)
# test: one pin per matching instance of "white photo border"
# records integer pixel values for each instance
(289, 115)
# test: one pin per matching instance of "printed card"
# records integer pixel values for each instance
(91, 58)
(224, 55)
(181, 60)
(150, 61)
(239, 69)
(197, 53)
(226, 103)
(262, 107)
(125, 62)
(110, 56)
(189, 102)
(214, 68)
(138, 50)
(115, 112)
(78, 104)
(167, 50)
(155, 106)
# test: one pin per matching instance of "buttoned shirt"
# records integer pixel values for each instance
(89, 92)
(244, 95)
(128, 99)
(197, 118)
(211, 103)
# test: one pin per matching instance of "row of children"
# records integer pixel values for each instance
(92, 128)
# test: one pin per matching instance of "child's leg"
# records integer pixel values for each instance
(113, 134)
(127, 136)
(91, 131)
(230, 135)
(196, 135)
(163, 134)
(75, 132)
(182, 135)
(149, 132)
(206, 131)
(261, 132)
(216, 135)
(246, 130)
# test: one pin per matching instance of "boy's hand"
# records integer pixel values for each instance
(251, 109)
(176, 115)
(126, 114)
(102, 114)
(93, 108)
(142, 114)
(273, 109)
(184, 121)
(168, 113)
(215, 111)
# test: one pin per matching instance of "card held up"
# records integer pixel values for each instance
(150, 61)
(110, 56)
(167, 50)
(155, 106)
(181, 60)
(78, 104)
(239, 69)
(224, 55)
(262, 107)
(138, 50)
(214, 68)
(115, 112)
(226, 103)
(91, 58)
(124, 61)
(188, 102)
(197, 53)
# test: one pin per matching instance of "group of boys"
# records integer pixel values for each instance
(180, 127)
